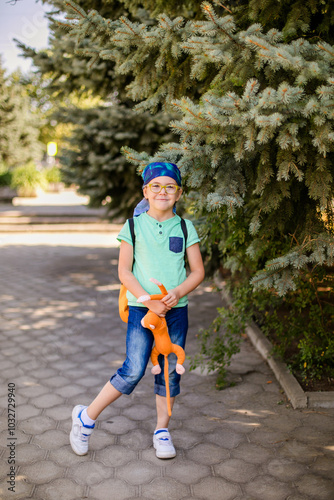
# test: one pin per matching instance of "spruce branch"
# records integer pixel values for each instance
(221, 5)
(322, 47)
(75, 7)
(256, 43)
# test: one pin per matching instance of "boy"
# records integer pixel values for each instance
(159, 254)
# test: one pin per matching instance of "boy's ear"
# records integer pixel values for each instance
(179, 193)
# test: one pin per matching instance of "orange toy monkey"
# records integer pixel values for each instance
(163, 344)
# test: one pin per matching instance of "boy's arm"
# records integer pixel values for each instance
(126, 277)
(195, 277)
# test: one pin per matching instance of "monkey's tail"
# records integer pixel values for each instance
(167, 387)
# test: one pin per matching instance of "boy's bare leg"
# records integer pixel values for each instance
(107, 395)
(162, 412)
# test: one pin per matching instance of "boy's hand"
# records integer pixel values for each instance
(158, 307)
(172, 298)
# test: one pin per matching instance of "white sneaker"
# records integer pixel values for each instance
(163, 444)
(80, 433)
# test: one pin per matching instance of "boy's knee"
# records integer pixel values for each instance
(135, 377)
(126, 381)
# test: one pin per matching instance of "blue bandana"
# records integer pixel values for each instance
(160, 169)
(151, 171)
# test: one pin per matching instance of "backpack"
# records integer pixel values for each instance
(122, 300)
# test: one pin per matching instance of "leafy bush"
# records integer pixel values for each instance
(5, 175)
(300, 326)
(53, 175)
(221, 340)
(27, 178)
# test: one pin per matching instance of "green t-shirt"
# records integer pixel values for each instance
(159, 253)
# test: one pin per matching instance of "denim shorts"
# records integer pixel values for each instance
(139, 343)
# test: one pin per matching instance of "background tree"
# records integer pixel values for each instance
(307, 18)
(257, 142)
(18, 124)
(256, 133)
(82, 114)
(68, 75)
(100, 132)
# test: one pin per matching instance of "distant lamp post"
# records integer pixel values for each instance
(51, 152)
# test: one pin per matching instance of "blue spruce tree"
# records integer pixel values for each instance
(255, 126)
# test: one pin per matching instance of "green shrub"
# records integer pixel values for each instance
(27, 178)
(221, 340)
(300, 326)
(5, 175)
(53, 175)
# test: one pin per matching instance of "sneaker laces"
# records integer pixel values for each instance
(78, 431)
(164, 440)
(84, 437)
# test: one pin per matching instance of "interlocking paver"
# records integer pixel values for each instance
(101, 440)
(268, 437)
(136, 440)
(285, 470)
(64, 456)
(236, 470)
(118, 488)
(88, 473)
(68, 391)
(298, 452)
(324, 467)
(216, 488)
(115, 456)
(41, 472)
(29, 454)
(22, 490)
(34, 390)
(118, 425)
(252, 453)
(138, 472)
(228, 440)
(165, 488)
(59, 488)
(47, 400)
(3, 469)
(19, 435)
(27, 411)
(187, 472)
(51, 439)
(267, 488)
(208, 454)
(61, 339)
(139, 412)
(37, 425)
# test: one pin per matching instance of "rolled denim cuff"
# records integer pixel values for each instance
(120, 384)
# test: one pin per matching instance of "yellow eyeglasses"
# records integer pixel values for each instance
(169, 189)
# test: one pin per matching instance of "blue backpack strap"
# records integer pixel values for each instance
(133, 236)
(132, 231)
(185, 234)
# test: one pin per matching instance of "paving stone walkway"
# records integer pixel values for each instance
(61, 339)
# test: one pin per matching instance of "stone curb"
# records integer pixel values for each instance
(294, 392)
(62, 219)
(61, 228)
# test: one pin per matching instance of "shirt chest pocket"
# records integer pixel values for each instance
(175, 244)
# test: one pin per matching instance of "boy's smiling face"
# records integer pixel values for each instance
(162, 202)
